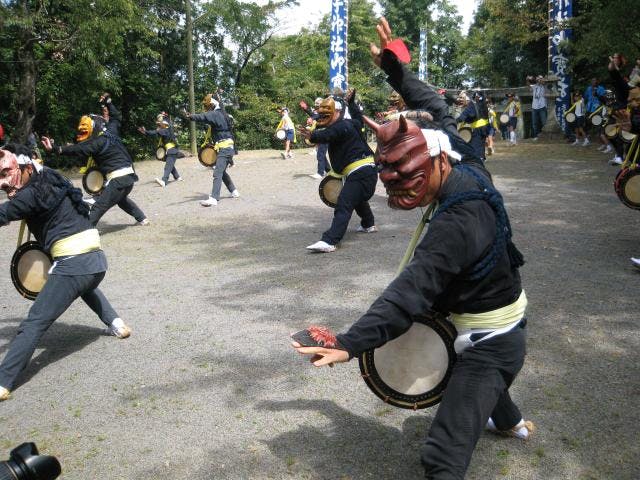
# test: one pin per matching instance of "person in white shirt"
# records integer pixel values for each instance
(538, 105)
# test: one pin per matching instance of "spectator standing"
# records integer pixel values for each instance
(538, 106)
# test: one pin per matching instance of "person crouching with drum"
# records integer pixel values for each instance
(461, 267)
(476, 114)
(223, 144)
(352, 160)
(113, 161)
(169, 143)
(55, 213)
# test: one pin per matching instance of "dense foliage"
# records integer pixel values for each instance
(58, 56)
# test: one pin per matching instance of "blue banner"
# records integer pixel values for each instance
(559, 35)
(338, 71)
(422, 67)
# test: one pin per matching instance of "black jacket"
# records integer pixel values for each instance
(220, 129)
(107, 150)
(51, 205)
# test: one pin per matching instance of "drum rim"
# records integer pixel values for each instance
(208, 165)
(626, 137)
(323, 182)
(573, 116)
(84, 181)
(621, 180)
(164, 154)
(593, 117)
(446, 332)
(17, 255)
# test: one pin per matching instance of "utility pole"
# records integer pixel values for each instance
(192, 102)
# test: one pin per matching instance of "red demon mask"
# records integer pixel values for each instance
(404, 160)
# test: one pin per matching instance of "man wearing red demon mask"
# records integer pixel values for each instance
(351, 159)
(59, 220)
(465, 267)
(113, 160)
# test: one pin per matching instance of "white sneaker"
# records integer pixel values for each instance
(371, 229)
(317, 176)
(635, 262)
(160, 182)
(5, 394)
(586, 142)
(601, 148)
(209, 202)
(607, 149)
(322, 247)
(577, 142)
(235, 193)
(118, 329)
(179, 179)
(616, 161)
(523, 430)
(144, 222)
(535, 139)
(89, 200)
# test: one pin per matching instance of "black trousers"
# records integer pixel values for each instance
(116, 193)
(356, 191)
(56, 296)
(169, 167)
(478, 389)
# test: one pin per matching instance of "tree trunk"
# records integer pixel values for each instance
(26, 93)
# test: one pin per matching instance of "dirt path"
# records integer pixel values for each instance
(208, 388)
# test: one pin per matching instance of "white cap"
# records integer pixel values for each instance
(215, 103)
(438, 142)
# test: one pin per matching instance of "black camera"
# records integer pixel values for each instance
(26, 464)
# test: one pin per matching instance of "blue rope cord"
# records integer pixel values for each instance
(502, 239)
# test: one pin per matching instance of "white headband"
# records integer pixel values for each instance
(438, 142)
(26, 160)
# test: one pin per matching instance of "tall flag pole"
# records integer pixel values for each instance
(560, 11)
(338, 67)
(422, 68)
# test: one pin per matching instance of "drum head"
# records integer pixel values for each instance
(596, 120)
(29, 269)
(329, 190)
(281, 134)
(412, 371)
(161, 153)
(504, 118)
(627, 187)
(627, 137)
(611, 130)
(93, 181)
(208, 156)
(465, 133)
(571, 117)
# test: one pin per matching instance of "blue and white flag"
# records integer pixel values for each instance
(559, 33)
(422, 67)
(338, 68)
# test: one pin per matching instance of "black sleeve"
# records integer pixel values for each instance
(19, 208)
(199, 117)
(330, 134)
(82, 149)
(415, 93)
(152, 133)
(453, 243)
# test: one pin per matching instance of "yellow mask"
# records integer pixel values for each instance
(326, 110)
(85, 128)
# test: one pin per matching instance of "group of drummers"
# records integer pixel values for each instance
(450, 329)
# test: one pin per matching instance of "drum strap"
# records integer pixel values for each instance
(23, 225)
(77, 244)
(596, 111)
(633, 151)
(480, 123)
(207, 137)
(170, 145)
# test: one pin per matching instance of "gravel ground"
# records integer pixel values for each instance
(208, 388)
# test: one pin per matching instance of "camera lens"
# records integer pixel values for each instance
(26, 464)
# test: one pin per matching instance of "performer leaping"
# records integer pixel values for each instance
(466, 265)
(222, 138)
(59, 220)
(112, 159)
(351, 159)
